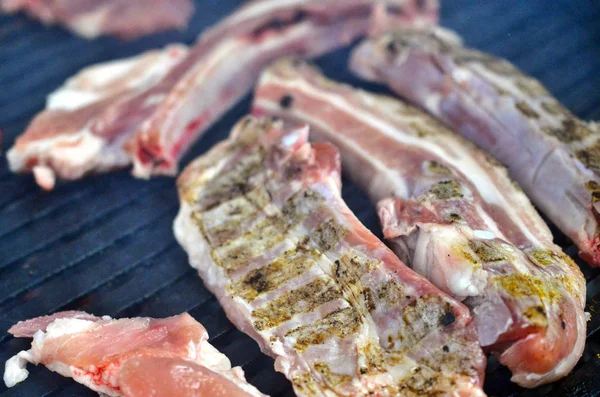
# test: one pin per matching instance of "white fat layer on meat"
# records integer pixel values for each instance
(15, 371)
(458, 156)
(484, 234)
(90, 24)
(211, 358)
(89, 85)
(261, 8)
(459, 278)
(72, 155)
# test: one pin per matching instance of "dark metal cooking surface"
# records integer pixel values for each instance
(105, 244)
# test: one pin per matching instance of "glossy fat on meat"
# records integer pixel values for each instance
(127, 19)
(174, 377)
(94, 351)
(163, 109)
(452, 213)
(548, 151)
(263, 222)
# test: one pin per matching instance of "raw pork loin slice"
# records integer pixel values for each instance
(553, 155)
(127, 19)
(263, 221)
(131, 357)
(452, 213)
(162, 108)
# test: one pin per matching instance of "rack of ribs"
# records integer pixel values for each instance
(451, 213)
(130, 357)
(263, 222)
(126, 19)
(553, 155)
(151, 122)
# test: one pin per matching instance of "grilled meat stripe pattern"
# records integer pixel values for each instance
(168, 105)
(553, 155)
(130, 357)
(263, 222)
(452, 213)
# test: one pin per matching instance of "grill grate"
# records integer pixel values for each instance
(105, 244)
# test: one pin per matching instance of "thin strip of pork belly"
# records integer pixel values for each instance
(452, 213)
(263, 222)
(553, 155)
(126, 19)
(228, 58)
(70, 138)
(128, 357)
(154, 124)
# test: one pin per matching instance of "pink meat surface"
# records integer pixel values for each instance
(127, 19)
(152, 121)
(174, 377)
(97, 353)
(452, 213)
(553, 155)
(263, 222)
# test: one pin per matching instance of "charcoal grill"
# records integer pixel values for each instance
(105, 244)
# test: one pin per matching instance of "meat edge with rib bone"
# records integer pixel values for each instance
(551, 153)
(438, 197)
(90, 126)
(256, 298)
(106, 355)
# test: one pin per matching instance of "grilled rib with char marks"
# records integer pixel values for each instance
(151, 122)
(263, 221)
(452, 213)
(552, 154)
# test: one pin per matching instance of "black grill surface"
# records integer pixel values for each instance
(105, 244)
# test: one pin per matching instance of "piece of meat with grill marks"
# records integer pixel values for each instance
(553, 155)
(71, 137)
(154, 124)
(115, 357)
(127, 19)
(263, 222)
(452, 213)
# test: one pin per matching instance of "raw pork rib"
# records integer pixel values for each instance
(152, 125)
(553, 155)
(127, 19)
(129, 357)
(452, 213)
(72, 136)
(263, 221)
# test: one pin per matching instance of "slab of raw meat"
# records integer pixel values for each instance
(127, 19)
(128, 357)
(263, 222)
(452, 213)
(152, 122)
(71, 137)
(552, 154)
